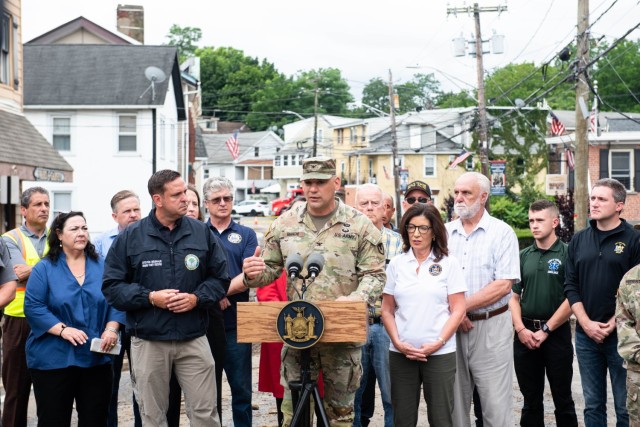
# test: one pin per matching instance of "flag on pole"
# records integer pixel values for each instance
(232, 145)
(253, 187)
(461, 158)
(571, 161)
(557, 127)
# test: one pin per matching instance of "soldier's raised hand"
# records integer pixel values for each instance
(253, 265)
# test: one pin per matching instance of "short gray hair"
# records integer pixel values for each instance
(483, 181)
(25, 198)
(215, 184)
(370, 186)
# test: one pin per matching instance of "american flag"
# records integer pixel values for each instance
(232, 145)
(557, 128)
(461, 158)
(571, 161)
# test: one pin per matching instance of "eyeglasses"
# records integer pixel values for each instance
(422, 229)
(217, 200)
(412, 200)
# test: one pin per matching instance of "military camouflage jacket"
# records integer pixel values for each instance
(350, 244)
(627, 312)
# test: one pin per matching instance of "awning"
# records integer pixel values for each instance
(273, 188)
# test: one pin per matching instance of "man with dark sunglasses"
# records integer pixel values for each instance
(417, 191)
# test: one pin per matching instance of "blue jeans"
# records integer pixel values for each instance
(237, 367)
(375, 354)
(594, 359)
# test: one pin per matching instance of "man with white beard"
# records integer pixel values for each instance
(487, 249)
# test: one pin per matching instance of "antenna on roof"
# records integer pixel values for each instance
(153, 74)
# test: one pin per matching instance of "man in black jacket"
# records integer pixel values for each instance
(598, 257)
(165, 271)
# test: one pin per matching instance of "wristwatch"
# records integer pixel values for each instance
(545, 329)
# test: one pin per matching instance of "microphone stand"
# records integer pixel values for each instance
(303, 389)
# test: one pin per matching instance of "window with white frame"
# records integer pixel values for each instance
(276, 161)
(205, 173)
(429, 165)
(61, 137)
(61, 202)
(127, 133)
(620, 166)
(285, 160)
(5, 49)
(370, 168)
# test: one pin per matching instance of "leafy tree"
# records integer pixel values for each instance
(230, 81)
(276, 96)
(455, 99)
(566, 208)
(185, 38)
(333, 92)
(518, 138)
(617, 76)
(525, 81)
(421, 92)
(510, 211)
(376, 94)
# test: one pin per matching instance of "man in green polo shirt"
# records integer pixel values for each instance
(540, 312)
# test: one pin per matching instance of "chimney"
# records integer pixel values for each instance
(131, 21)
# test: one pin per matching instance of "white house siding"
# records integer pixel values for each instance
(99, 169)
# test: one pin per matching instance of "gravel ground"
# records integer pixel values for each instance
(265, 414)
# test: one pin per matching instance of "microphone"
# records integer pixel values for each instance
(315, 263)
(294, 265)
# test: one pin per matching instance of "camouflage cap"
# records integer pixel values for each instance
(418, 185)
(318, 168)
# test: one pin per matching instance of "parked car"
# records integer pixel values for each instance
(252, 207)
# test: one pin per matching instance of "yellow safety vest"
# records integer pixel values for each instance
(31, 257)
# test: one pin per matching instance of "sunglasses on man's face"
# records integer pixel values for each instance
(412, 200)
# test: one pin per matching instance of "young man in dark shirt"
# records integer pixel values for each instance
(598, 257)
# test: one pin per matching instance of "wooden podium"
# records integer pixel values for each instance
(344, 321)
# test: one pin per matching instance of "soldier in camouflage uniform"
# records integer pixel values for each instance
(628, 328)
(353, 271)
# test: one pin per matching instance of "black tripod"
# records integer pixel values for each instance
(301, 392)
(303, 389)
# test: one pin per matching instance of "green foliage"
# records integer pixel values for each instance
(455, 100)
(527, 80)
(421, 92)
(617, 76)
(511, 212)
(185, 38)
(230, 81)
(519, 138)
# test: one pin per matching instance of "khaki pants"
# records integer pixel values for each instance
(192, 362)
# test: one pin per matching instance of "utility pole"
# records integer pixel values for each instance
(581, 186)
(482, 105)
(315, 121)
(394, 151)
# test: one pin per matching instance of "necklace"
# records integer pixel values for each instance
(78, 276)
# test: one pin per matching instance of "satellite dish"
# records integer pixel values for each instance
(154, 75)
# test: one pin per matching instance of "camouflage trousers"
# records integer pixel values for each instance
(633, 398)
(341, 372)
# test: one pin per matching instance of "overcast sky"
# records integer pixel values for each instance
(364, 39)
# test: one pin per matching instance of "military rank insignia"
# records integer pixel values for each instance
(300, 324)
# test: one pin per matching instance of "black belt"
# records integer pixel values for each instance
(375, 320)
(487, 314)
(535, 324)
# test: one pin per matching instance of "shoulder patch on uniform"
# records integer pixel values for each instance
(381, 248)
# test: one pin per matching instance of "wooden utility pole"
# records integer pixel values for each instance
(581, 186)
(394, 152)
(482, 105)
(315, 121)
